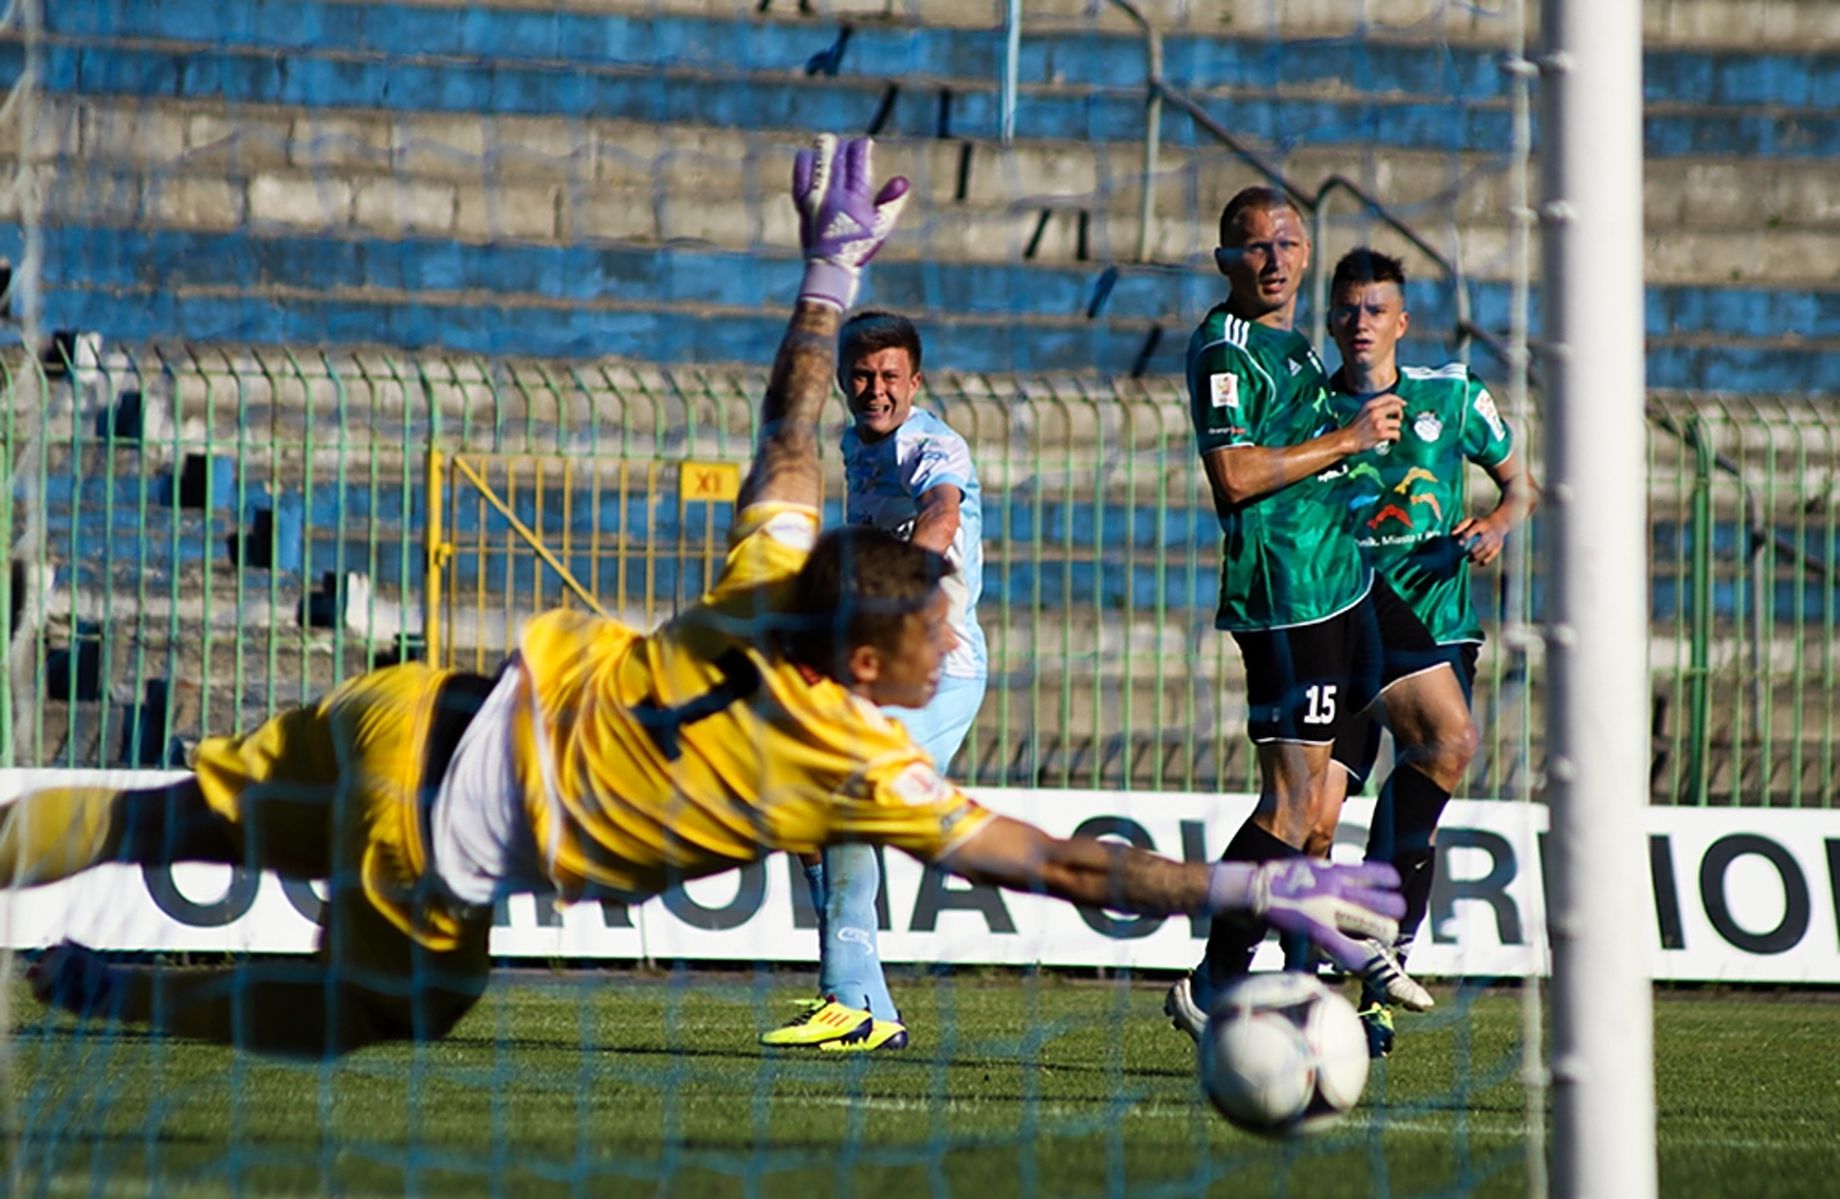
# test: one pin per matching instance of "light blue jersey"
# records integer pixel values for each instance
(885, 478)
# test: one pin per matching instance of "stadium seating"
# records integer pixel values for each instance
(452, 161)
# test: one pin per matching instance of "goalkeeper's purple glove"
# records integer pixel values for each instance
(841, 225)
(1337, 907)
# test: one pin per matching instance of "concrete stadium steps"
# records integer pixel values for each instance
(373, 412)
(689, 305)
(1752, 82)
(651, 86)
(280, 170)
(1060, 677)
(202, 165)
(1075, 558)
(1372, 60)
(149, 704)
(1775, 742)
(632, 549)
(382, 406)
(396, 172)
(1088, 533)
(1072, 716)
(1776, 24)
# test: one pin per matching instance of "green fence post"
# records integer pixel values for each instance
(10, 397)
(1698, 666)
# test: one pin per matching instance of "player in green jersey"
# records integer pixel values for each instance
(1294, 586)
(1412, 519)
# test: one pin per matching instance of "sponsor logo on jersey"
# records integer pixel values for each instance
(1223, 390)
(1427, 426)
(1401, 511)
(1367, 473)
(1404, 486)
(1485, 408)
(919, 785)
(1296, 366)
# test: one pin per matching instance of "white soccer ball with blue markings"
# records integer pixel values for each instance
(1283, 1055)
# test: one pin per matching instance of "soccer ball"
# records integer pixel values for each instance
(1283, 1055)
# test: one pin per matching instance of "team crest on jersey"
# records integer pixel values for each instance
(1223, 390)
(1485, 408)
(1427, 426)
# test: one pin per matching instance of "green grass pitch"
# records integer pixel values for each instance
(617, 1083)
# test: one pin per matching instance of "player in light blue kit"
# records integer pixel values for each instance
(909, 473)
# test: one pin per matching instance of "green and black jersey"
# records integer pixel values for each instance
(1409, 495)
(1287, 558)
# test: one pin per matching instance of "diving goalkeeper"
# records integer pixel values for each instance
(600, 761)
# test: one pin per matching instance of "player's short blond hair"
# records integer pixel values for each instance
(1258, 198)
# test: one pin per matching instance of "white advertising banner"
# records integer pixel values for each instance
(1738, 895)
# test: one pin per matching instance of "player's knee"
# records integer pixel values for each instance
(1445, 751)
(1456, 746)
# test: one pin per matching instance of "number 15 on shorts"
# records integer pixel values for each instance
(1319, 704)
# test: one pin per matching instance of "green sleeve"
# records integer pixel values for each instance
(1487, 440)
(1225, 397)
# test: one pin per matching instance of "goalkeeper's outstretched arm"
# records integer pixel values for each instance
(843, 221)
(786, 463)
(1333, 905)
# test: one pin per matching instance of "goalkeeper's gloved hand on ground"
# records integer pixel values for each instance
(841, 224)
(1337, 907)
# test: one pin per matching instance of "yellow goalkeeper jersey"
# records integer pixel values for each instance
(648, 759)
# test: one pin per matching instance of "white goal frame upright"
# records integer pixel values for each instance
(1596, 599)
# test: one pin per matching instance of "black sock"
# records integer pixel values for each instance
(1405, 817)
(1233, 938)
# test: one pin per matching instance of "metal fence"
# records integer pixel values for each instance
(201, 540)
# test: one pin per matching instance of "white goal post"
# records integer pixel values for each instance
(1597, 598)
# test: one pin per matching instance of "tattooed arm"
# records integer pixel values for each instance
(786, 462)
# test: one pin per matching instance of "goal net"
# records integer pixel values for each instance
(358, 333)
